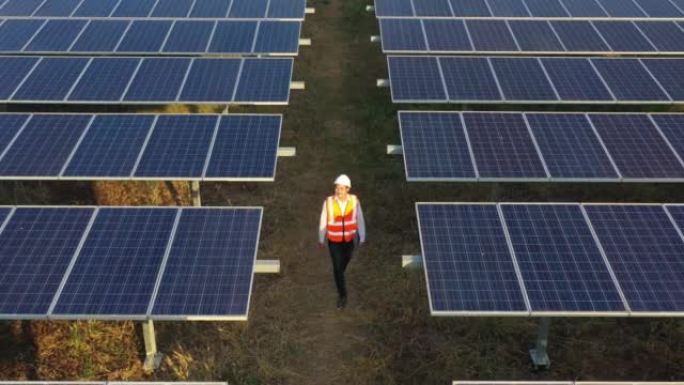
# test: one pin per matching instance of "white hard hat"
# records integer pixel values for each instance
(343, 180)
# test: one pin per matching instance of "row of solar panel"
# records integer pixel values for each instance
(482, 146)
(531, 8)
(127, 263)
(218, 9)
(546, 259)
(144, 80)
(418, 79)
(149, 36)
(538, 36)
(139, 147)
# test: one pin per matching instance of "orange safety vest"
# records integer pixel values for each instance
(341, 226)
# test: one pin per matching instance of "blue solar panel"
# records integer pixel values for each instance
(491, 35)
(56, 35)
(264, 80)
(287, 9)
(623, 36)
(211, 264)
(393, 8)
(158, 80)
(645, 252)
(189, 36)
(584, 8)
(105, 79)
(116, 270)
(470, 8)
(145, 36)
(665, 36)
(579, 36)
(502, 146)
(100, 36)
(535, 36)
(522, 79)
(172, 8)
(432, 8)
(637, 148)
(447, 35)
(278, 36)
(233, 37)
(621, 8)
(402, 35)
(468, 264)
(435, 146)
(210, 8)
(9, 126)
(20, 7)
(12, 71)
(51, 79)
(415, 78)
(575, 79)
(508, 8)
(546, 8)
(14, 34)
(178, 147)
(57, 8)
(245, 147)
(96, 8)
(659, 8)
(672, 126)
(569, 146)
(211, 80)
(36, 247)
(669, 74)
(677, 214)
(560, 263)
(469, 79)
(51, 136)
(248, 8)
(628, 80)
(134, 8)
(111, 146)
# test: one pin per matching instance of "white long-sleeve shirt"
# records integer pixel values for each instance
(360, 222)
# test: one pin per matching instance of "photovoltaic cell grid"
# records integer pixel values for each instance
(145, 80)
(127, 263)
(449, 79)
(560, 147)
(139, 147)
(142, 36)
(213, 9)
(540, 259)
(542, 36)
(608, 9)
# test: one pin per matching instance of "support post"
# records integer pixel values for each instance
(195, 192)
(539, 355)
(152, 356)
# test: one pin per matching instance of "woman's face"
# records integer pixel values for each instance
(341, 191)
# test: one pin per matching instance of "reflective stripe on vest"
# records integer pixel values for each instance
(341, 226)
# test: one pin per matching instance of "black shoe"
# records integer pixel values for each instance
(341, 303)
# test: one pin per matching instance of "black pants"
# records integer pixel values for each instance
(341, 254)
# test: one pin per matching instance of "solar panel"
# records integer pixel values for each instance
(210, 265)
(264, 80)
(535, 36)
(562, 268)
(665, 36)
(158, 79)
(145, 36)
(575, 79)
(20, 7)
(508, 8)
(636, 146)
(468, 265)
(105, 79)
(134, 8)
(668, 74)
(233, 37)
(116, 269)
(14, 34)
(51, 136)
(491, 35)
(432, 8)
(177, 148)
(416, 78)
(9, 127)
(287, 9)
(523, 79)
(570, 148)
(277, 36)
(658, 8)
(621, 8)
(546, 8)
(12, 71)
(469, 79)
(210, 8)
(248, 8)
(96, 8)
(212, 80)
(623, 36)
(584, 8)
(435, 147)
(111, 146)
(644, 250)
(51, 79)
(447, 36)
(56, 35)
(676, 212)
(628, 80)
(393, 8)
(172, 8)
(100, 36)
(245, 147)
(672, 126)
(579, 36)
(502, 146)
(57, 8)
(470, 8)
(402, 35)
(189, 36)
